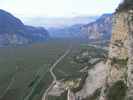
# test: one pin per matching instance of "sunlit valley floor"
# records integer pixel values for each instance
(25, 70)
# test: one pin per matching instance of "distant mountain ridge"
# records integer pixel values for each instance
(72, 31)
(14, 32)
(99, 29)
(58, 22)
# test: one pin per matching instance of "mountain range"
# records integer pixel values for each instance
(99, 29)
(58, 22)
(72, 31)
(14, 32)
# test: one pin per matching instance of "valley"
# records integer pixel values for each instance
(26, 68)
(23, 67)
(26, 72)
(66, 50)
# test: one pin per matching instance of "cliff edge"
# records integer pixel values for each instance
(119, 80)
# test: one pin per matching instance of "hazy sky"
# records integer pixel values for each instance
(58, 8)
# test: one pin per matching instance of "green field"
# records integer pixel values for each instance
(24, 71)
(67, 68)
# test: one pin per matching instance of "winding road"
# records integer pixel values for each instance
(53, 75)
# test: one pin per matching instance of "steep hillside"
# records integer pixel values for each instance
(115, 85)
(116, 73)
(14, 32)
(100, 29)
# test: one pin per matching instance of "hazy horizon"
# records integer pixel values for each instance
(58, 8)
(58, 13)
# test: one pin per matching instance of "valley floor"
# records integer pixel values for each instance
(24, 70)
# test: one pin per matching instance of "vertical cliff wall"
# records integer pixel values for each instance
(119, 66)
(118, 52)
(119, 81)
(130, 51)
(117, 61)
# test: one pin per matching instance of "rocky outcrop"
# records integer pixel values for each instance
(94, 81)
(14, 32)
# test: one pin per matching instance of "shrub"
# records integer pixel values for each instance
(117, 91)
(120, 62)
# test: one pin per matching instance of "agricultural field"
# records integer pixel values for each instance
(24, 70)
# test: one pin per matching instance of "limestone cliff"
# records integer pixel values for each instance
(113, 80)
(110, 77)
(118, 84)
(119, 80)
(118, 52)
(130, 53)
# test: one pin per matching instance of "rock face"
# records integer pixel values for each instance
(118, 81)
(95, 80)
(130, 62)
(117, 59)
(118, 52)
(119, 40)
(100, 29)
(14, 32)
